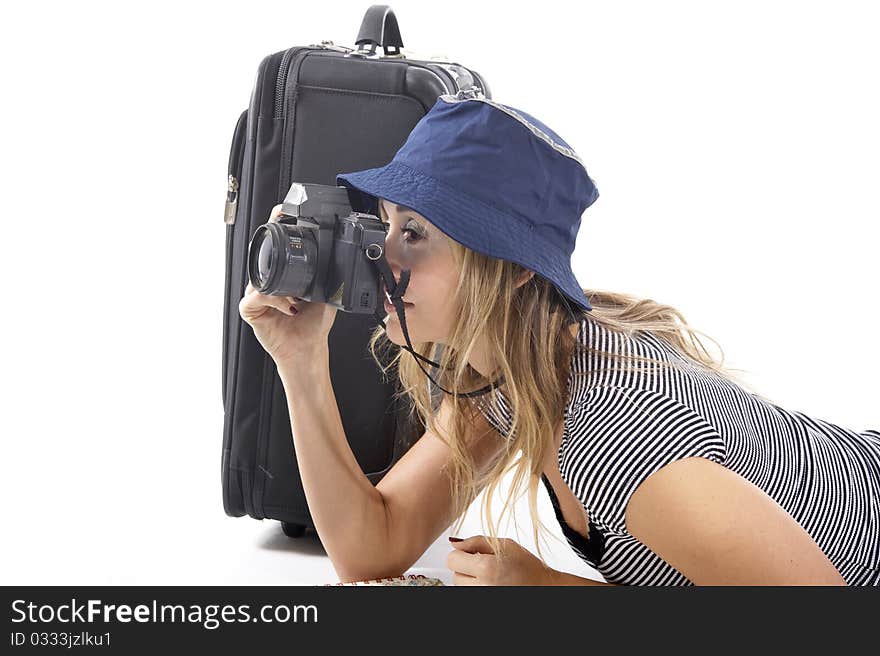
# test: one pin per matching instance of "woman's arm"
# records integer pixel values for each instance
(347, 510)
(736, 533)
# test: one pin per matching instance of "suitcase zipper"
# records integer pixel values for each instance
(236, 154)
(231, 200)
(282, 79)
(281, 82)
(328, 45)
(287, 92)
(269, 373)
(284, 65)
(259, 476)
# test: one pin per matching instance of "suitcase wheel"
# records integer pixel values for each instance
(292, 530)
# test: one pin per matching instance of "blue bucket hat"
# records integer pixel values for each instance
(493, 178)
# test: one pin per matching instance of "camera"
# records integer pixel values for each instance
(322, 251)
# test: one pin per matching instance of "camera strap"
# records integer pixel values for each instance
(396, 290)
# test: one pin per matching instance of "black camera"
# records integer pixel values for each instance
(320, 250)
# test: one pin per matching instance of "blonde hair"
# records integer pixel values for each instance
(525, 331)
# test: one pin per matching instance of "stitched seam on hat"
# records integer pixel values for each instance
(568, 152)
(529, 223)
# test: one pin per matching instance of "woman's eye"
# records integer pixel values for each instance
(414, 236)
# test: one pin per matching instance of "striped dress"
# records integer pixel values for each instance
(620, 427)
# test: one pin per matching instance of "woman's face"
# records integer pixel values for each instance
(413, 243)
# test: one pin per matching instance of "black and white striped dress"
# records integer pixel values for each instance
(620, 427)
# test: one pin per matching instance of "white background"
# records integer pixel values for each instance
(735, 146)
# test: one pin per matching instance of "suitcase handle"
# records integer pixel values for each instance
(379, 28)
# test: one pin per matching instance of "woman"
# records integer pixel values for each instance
(662, 469)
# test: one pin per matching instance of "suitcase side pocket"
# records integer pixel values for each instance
(236, 157)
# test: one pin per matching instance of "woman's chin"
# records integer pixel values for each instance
(394, 330)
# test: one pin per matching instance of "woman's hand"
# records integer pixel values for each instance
(287, 327)
(474, 563)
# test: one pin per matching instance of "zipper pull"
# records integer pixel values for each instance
(328, 45)
(472, 92)
(231, 200)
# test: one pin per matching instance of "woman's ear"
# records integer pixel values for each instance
(524, 278)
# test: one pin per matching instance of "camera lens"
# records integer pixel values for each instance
(282, 259)
(264, 258)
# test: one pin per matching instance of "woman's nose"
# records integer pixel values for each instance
(392, 250)
(392, 256)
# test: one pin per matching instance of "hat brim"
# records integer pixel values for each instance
(467, 220)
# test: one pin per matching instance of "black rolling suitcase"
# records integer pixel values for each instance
(315, 111)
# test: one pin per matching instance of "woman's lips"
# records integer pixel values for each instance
(390, 306)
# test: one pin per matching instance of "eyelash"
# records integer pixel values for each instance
(414, 236)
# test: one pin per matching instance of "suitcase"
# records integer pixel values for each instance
(316, 111)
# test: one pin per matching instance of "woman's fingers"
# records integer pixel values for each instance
(467, 564)
(274, 214)
(289, 300)
(253, 304)
(464, 579)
